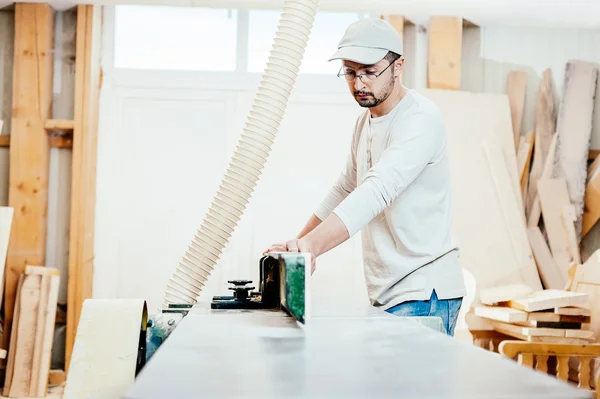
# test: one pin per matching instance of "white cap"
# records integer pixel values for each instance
(367, 41)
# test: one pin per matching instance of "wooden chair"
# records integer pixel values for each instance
(528, 352)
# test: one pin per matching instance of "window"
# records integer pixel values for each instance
(175, 38)
(328, 29)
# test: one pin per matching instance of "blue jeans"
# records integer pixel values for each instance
(446, 309)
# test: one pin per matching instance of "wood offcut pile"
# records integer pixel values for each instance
(550, 316)
(551, 292)
(28, 359)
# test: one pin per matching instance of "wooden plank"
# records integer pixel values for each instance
(25, 323)
(529, 141)
(574, 128)
(56, 377)
(516, 85)
(567, 214)
(586, 280)
(545, 126)
(29, 148)
(548, 299)
(554, 195)
(591, 212)
(444, 53)
(573, 310)
(551, 275)
(60, 142)
(83, 198)
(501, 313)
(31, 344)
(533, 217)
(528, 331)
(59, 124)
(53, 141)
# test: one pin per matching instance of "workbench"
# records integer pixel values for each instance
(346, 353)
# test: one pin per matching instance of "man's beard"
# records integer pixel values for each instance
(373, 100)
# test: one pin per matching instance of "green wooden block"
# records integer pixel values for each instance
(294, 278)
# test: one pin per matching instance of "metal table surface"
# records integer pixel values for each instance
(363, 353)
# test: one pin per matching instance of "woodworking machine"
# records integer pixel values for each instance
(283, 284)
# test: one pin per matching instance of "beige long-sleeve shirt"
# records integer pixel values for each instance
(396, 189)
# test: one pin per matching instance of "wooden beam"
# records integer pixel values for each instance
(29, 147)
(87, 87)
(60, 141)
(444, 53)
(53, 141)
(54, 124)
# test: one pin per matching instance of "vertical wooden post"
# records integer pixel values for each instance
(83, 190)
(444, 53)
(397, 22)
(29, 148)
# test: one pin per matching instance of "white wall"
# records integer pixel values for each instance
(166, 137)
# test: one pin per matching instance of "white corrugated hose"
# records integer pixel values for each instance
(250, 156)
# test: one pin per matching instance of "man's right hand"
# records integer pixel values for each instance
(276, 248)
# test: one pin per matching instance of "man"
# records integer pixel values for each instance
(395, 187)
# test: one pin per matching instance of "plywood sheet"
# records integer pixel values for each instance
(488, 218)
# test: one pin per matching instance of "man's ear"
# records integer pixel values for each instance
(399, 66)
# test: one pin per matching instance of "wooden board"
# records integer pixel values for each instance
(574, 129)
(31, 342)
(29, 148)
(550, 335)
(516, 85)
(104, 358)
(591, 212)
(444, 53)
(548, 299)
(550, 273)
(545, 126)
(83, 193)
(497, 252)
(511, 315)
(554, 195)
(533, 217)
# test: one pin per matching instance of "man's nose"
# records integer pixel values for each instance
(358, 84)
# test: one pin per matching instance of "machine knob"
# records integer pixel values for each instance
(240, 290)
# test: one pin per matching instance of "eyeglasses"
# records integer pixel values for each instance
(370, 76)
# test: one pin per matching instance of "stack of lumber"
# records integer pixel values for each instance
(551, 316)
(557, 168)
(557, 188)
(32, 334)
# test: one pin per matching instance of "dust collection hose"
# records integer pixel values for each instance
(250, 156)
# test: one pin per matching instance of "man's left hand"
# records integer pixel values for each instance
(296, 245)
